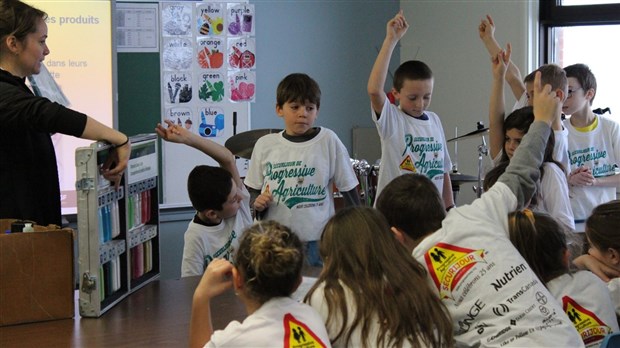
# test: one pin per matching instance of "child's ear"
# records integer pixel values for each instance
(398, 234)
(237, 280)
(561, 94)
(211, 215)
(590, 94)
(566, 258)
(613, 256)
(279, 110)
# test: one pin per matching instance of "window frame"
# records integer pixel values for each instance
(552, 14)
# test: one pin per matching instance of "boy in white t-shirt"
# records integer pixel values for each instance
(492, 294)
(221, 201)
(292, 173)
(593, 146)
(412, 138)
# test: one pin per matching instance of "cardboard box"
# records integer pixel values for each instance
(36, 275)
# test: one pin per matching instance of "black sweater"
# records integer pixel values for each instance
(29, 187)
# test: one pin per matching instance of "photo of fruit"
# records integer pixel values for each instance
(208, 59)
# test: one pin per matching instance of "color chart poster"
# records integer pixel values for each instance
(208, 61)
(208, 79)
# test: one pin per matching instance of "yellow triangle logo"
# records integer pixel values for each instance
(407, 164)
(299, 335)
(588, 324)
(448, 264)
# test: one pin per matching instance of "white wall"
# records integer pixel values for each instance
(444, 34)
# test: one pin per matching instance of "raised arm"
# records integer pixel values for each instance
(486, 31)
(396, 28)
(178, 134)
(216, 279)
(523, 171)
(496, 103)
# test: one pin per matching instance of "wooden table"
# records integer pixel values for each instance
(155, 316)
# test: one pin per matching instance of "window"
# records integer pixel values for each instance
(578, 31)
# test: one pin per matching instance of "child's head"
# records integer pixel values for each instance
(412, 204)
(550, 74)
(541, 241)
(188, 124)
(516, 126)
(269, 260)
(602, 231)
(581, 86)
(357, 244)
(413, 87)
(298, 99)
(213, 192)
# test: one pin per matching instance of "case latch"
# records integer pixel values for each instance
(89, 283)
(85, 184)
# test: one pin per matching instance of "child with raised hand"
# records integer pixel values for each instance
(292, 173)
(371, 293)
(492, 294)
(266, 271)
(412, 138)
(584, 297)
(505, 135)
(221, 201)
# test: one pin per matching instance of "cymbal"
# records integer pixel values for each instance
(477, 132)
(242, 144)
(458, 178)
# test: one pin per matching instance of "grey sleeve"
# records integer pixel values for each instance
(523, 171)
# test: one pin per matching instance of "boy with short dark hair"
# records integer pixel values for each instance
(593, 146)
(412, 138)
(221, 201)
(493, 296)
(293, 172)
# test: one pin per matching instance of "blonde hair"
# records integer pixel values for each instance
(387, 284)
(270, 258)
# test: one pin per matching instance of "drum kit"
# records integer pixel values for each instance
(242, 145)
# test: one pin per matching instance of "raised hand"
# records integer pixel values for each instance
(486, 29)
(500, 62)
(173, 133)
(397, 26)
(547, 105)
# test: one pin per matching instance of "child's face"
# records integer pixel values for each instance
(415, 96)
(231, 206)
(601, 255)
(298, 117)
(512, 139)
(576, 99)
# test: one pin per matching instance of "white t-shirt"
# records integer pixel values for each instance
(554, 195)
(410, 145)
(204, 243)
(599, 150)
(318, 302)
(493, 296)
(614, 290)
(586, 301)
(279, 322)
(300, 177)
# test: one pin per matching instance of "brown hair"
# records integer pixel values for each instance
(603, 225)
(387, 284)
(541, 241)
(270, 258)
(18, 19)
(412, 203)
(298, 87)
